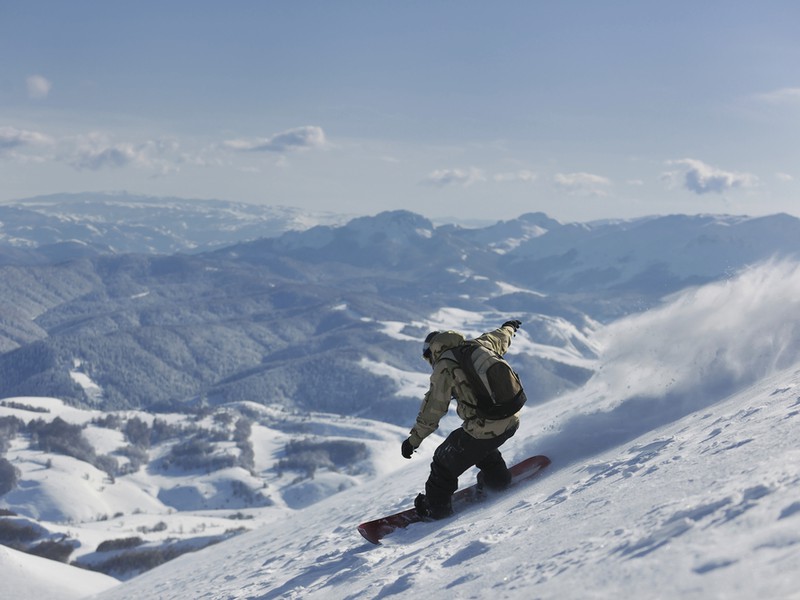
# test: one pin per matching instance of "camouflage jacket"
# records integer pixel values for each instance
(448, 382)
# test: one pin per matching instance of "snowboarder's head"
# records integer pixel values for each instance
(437, 342)
(427, 353)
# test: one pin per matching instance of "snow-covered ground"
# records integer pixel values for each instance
(27, 576)
(706, 507)
(676, 474)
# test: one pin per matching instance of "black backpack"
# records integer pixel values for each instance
(494, 383)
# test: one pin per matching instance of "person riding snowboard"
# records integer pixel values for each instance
(477, 441)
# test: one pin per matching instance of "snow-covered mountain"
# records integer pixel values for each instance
(626, 265)
(274, 321)
(292, 320)
(655, 255)
(675, 474)
(313, 335)
(73, 225)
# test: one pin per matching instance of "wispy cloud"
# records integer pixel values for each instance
(98, 151)
(292, 140)
(701, 178)
(523, 175)
(12, 138)
(446, 177)
(95, 152)
(472, 175)
(782, 96)
(582, 184)
(118, 155)
(38, 87)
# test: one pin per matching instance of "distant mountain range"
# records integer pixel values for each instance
(121, 302)
(86, 224)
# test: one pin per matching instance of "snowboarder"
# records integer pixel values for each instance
(477, 441)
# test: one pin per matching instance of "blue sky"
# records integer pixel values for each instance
(478, 110)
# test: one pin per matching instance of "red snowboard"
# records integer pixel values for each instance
(375, 531)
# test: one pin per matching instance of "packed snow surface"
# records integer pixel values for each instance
(676, 474)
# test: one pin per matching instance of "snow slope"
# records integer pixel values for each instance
(27, 576)
(676, 474)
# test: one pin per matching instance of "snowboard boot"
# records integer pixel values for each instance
(498, 482)
(431, 512)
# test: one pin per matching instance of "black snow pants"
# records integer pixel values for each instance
(459, 452)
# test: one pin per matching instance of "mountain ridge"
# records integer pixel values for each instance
(244, 321)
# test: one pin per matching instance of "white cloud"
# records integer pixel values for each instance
(783, 96)
(12, 138)
(785, 177)
(445, 177)
(524, 175)
(292, 140)
(472, 175)
(118, 155)
(94, 152)
(162, 156)
(701, 178)
(582, 184)
(38, 87)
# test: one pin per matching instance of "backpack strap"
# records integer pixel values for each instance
(462, 356)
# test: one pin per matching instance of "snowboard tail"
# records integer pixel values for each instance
(375, 531)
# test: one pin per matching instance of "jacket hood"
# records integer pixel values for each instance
(444, 340)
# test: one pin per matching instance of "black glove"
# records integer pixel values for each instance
(515, 324)
(407, 449)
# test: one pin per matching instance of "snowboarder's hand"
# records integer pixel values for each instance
(407, 449)
(515, 324)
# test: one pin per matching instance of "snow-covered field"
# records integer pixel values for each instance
(676, 474)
